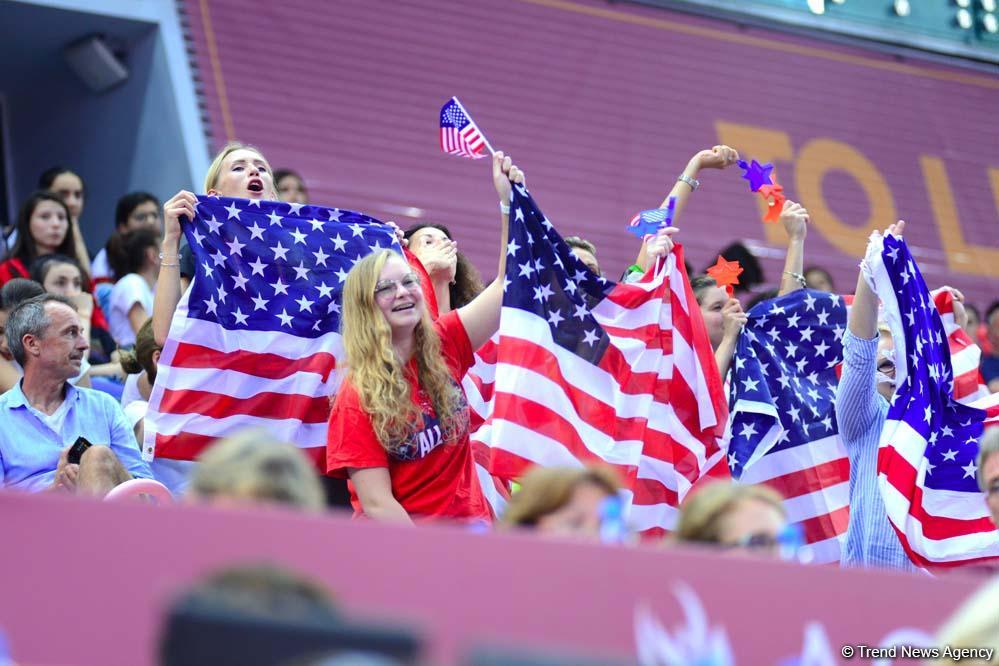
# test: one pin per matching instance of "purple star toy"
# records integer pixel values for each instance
(757, 174)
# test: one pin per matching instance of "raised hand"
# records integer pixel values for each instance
(733, 319)
(661, 244)
(440, 257)
(504, 173)
(179, 205)
(718, 157)
(794, 217)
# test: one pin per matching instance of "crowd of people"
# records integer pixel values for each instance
(80, 340)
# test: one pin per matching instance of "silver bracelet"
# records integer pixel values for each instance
(693, 183)
(799, 278)
(504, 208)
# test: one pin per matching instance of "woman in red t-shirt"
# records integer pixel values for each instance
(42, 228)
(399, 424)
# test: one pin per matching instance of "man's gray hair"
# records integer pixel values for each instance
(986, 447)
(29, 318)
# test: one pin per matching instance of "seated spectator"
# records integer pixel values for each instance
(44, 415)
(563, 501)
(42, 228)
(990, 363)
(455, 280)
(11, 294)
(819, 279)
(139, 364)
(69, 187)
(735, 515)
(135, 210)
(290, 186)
(61, 275)
(988, 471)
(134, 258)
(585, 251)
(253, 468)
(973, 327)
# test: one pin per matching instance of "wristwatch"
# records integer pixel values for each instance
(694, 184)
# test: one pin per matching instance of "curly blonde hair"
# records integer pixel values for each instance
(378, 375)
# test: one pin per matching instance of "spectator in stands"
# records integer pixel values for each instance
(290, 186)
(974, 625)
(866, 386)
(563, 501)
(455, 280)
(42, 228)
(988, 471)
(585, 251)
(238, 170)
(254, 468)
(735, 515)
(819, 279)
(723, 318)
(974, 325)
(134, 257)
(990, 363)
(69, 187)
(44, 415)
(12, 293)
(399, 424)
(61, 275)
(139, 364)
(135, 210)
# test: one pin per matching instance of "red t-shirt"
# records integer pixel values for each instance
(430, 478)
(12, 268)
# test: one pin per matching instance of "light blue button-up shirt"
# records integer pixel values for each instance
(29, 449)
(860, 414)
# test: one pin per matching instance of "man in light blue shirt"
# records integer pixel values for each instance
(43, 415)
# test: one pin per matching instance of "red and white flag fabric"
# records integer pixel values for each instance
(927, 465)
(590, 371)
(255, 340)
(459, 133)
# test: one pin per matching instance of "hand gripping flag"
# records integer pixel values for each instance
(255, 340)
(782, 428)
(591, 371)
(929, 444)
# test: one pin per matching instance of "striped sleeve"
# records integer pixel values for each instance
(856, 394)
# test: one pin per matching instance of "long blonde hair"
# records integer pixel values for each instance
(215, 168)
(377, 374)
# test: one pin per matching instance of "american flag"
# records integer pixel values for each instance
(587, 370)
(459, 133)
(782, 429)
(929, 444)
(255, 340)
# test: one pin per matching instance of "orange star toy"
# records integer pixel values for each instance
(773, 195)
(726, 274)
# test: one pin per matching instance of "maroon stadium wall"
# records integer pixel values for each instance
(602, 104)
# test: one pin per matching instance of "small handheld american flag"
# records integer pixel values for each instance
(459, 133)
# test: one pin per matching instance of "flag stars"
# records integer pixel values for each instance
(256, 231)
(213, 225)
(280, 251)
(338, 243)
(791, 349)
(793, 320)
(324, 290)
(298, 236)
(321, 257)
(304, 304)
(275, 219)
(748, 430)
(317, 225)
(749, 384)
(239, 316)
(554, 317)
(257, 267)
(733, 461)
(526, 269)
(233, 211)
(240, 281)
(259, 302)
(235, 247)
(821, 348)
(950, 455)
(222, 293)
(212, 306)
(301, 272)
(284, 317)
(295, 208)
(512, 248)
(590, 337)
(280, 287)
(218, 258)
(969, 470)
(823, 318)
(810, 302)
(357, 229)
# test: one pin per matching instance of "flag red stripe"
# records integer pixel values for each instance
(267, 366)
(812, 479)
(264, 405)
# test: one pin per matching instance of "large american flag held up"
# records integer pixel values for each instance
(782, 429)
(929, 444)
(591, 371)
(459, 133)
(255, 340)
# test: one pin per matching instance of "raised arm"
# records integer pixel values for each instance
(481, 316)
(168, 284)
(794, 217)
(718, 157)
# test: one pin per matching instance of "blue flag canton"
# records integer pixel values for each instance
(453, 116)
(925, 400)
(275, 266)
(787, 357)
(544, 277)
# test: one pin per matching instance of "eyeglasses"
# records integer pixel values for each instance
(788, 542)
(385, 287)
